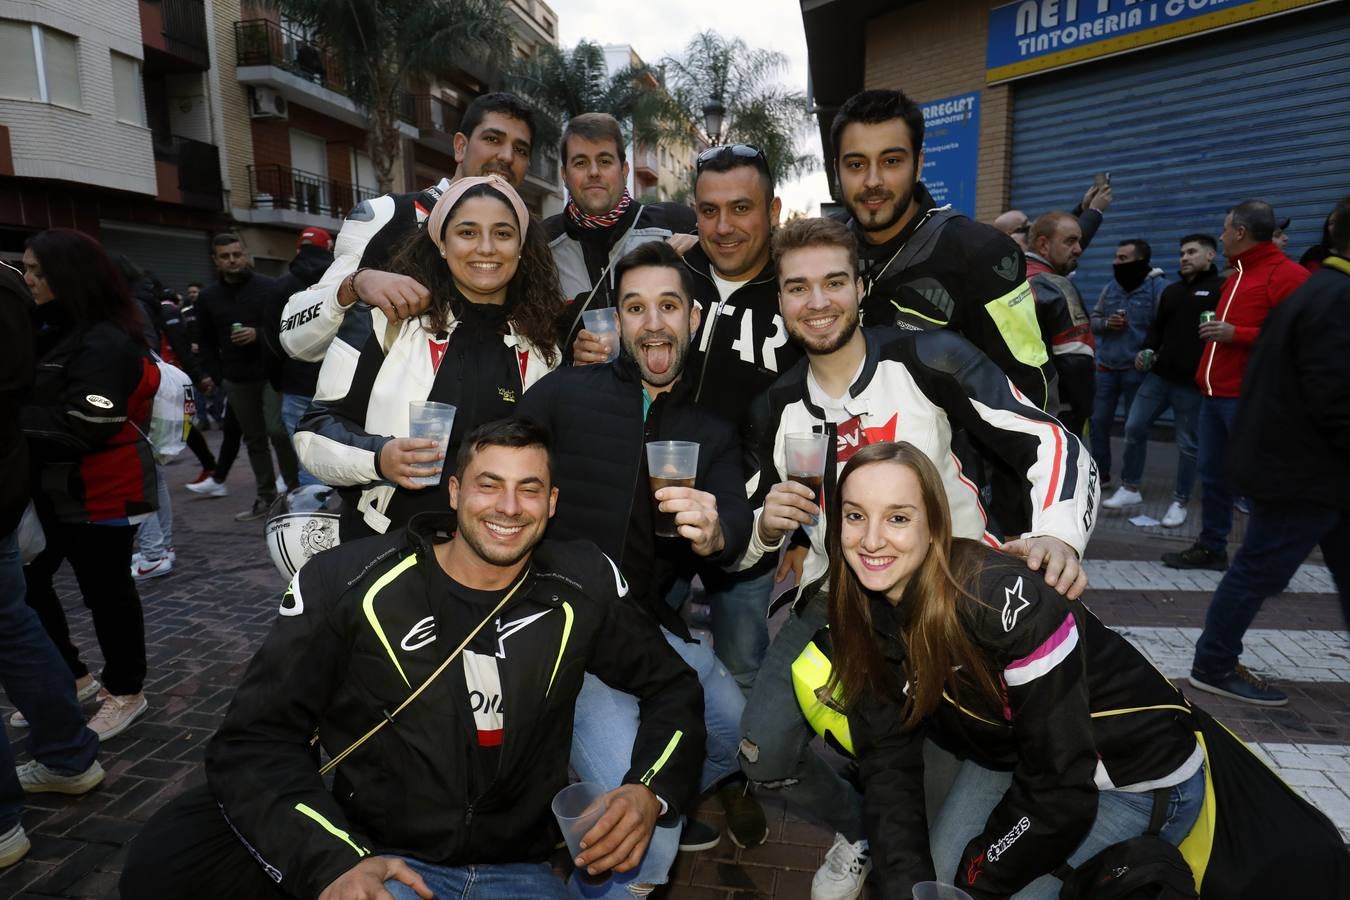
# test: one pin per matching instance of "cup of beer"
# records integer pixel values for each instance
(806, 455)
(670, 464)
(604, 324)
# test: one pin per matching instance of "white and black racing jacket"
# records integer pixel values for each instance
(915, 386)
(361, 403)
(313, 318)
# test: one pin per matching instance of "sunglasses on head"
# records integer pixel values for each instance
(1024, 228)
(740, 151)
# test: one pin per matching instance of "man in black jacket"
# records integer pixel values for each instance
(926, 267)
(740, 347)
(471, 649)
(601, 223)
(295, 378)
(601, 416)
(1170, 356)
(230, 316)
(1288, 454)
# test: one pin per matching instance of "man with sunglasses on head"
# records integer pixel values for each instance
(600, 224)
(495, 137)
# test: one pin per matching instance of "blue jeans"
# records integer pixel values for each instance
(504, 881)
(155, 537)
(1150, 401)
(605, 727)
(776, 750)
(293, 406)
(1120, 816)
(37, 681)
(1279, 538)
(1111, 385)
(1216, 501)
(740, 621)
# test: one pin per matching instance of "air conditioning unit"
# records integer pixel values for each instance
(265, 103)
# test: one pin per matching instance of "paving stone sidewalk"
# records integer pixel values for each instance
(204, 621)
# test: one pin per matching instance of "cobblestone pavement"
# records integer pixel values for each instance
(204, 621)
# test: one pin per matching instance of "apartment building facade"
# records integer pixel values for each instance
(107, 125)
(153, 124)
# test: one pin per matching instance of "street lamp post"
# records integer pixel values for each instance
(713, 114)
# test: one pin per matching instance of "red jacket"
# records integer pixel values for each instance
(1264, 276)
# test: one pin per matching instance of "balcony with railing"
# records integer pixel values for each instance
(436, 120)
(177, 30)
(281, 188)
(262, 42)
(187, 172)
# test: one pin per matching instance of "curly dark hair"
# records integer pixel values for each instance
(532, 297)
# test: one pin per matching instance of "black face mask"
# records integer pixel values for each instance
(1131, 274)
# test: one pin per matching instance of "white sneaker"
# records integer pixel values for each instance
(116, 714)
(14, 846)
(845, 871)
(141, 570)
(82, 695)
(1175, 515)
(35, 778)
(208, 488)
(1122, 498)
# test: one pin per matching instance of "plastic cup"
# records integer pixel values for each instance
(429, 419)
(670, 464)
(577, 808)
(604, 324)
(936, 890)
(806, 455)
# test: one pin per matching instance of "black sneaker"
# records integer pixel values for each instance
(1242, 685)
(698, 836)
(258, 510)
(746, 825)
(1197, 557)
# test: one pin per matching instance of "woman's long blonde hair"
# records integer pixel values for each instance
(934, 637)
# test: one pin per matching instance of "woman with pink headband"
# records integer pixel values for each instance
(487, 336)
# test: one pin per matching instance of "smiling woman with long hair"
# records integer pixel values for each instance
(486, 337)
(92, 469)
(1067, 736)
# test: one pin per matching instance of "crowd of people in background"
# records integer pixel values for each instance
(503, 603)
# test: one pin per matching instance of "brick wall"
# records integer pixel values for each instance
(272, 140)
(935, 49)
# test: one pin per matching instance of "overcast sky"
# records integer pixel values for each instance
(771, 24)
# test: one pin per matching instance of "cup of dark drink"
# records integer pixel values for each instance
(670, 464)
(806, 454)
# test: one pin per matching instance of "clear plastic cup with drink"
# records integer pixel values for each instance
(432, 420)
(670, 464)
(604, 324)
(806, 455)
(577, 808)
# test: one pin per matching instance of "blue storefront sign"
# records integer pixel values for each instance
(951, 149)
(1030, 36)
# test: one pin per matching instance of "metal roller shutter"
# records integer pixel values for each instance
(1191, 128)
(175, 256)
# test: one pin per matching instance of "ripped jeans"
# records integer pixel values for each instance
(776, 751)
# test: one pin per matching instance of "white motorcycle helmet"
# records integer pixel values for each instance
(302, 524)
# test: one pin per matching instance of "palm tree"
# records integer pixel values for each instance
(565, 83)
(380, 45)
(758, 110)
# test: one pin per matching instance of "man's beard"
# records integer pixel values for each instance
(832, 344)
(472, 537)
(901, 208)
(679, 351)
